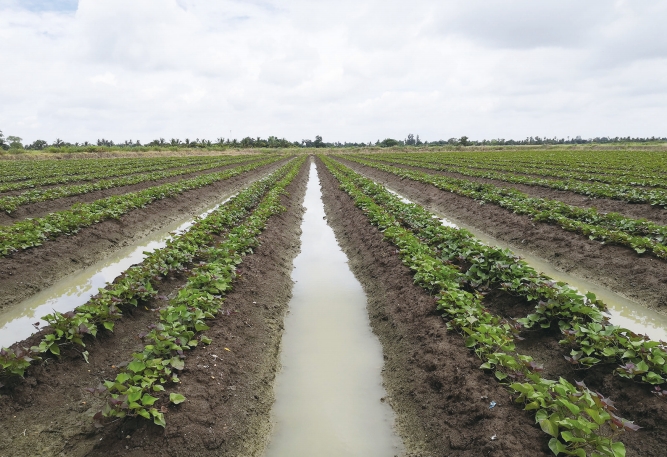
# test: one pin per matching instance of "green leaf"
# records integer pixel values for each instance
(618, 449)
(144, 413)
(148, 400)
(108, 325)
(550, 427)
(532, 405)
(176, 398)
(133, 394)
(136, 366)
(556, 446)
(177, 363)
(578, 452)
(500, 375)
(122, 377)
(158, 417)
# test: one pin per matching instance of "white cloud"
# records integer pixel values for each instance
(347, 70)
(106, 78)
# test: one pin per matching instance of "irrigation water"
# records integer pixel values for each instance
(74, 290)
(329, 390)
(623, 311)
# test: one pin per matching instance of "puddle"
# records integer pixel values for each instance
(329, 388)
(76, 289)
(623, 311)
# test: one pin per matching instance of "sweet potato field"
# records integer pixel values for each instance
(484, 354)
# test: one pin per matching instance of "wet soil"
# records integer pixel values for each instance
(228, 384)
(25, 273)
(656, 214)
(40, 209)
(641, 278)
(434, 385)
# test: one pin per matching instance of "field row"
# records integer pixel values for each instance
(33, 232)
(627, 189)
(638, 234)
(11, 203)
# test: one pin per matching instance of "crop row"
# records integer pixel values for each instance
(628, 193)
(66, 171)
(577, 419)
(639, 234)
(11, 203)
(650, 163)
(570, 170)
(28, 233)
(139, 282)
(131, 392)
(579, 317)
(31, 169)
(571, 176)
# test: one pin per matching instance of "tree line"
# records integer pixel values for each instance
(14, 143)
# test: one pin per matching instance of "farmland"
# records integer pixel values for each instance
(484, 353)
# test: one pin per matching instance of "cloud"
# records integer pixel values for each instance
(346, 70)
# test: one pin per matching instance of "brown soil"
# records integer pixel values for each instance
(228, 384)
(35, 210)
(440, 396)
(40, 267)
(656, 214)
(640, 278)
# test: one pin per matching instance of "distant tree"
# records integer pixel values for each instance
(3, 144)
(410, 140)
(463, 141)
(318, 143)
(38, 145)
(388, 142)
(15, 142)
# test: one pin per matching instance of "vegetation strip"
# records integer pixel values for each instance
(138, 283)
(574, 416)
(49, 172)
(639, 234)
(184, 317)
(10, 203)
(29, 233)
(628, 193)
(622, 180)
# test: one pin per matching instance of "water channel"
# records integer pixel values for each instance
(623, 311)
(16, 324)
(329, 390)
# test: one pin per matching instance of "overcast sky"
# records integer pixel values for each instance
(349, 70)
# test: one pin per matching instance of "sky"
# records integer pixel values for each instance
(348, 70)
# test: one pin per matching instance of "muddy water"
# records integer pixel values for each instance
(328, 393)
(624, 312)
(76, 289)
